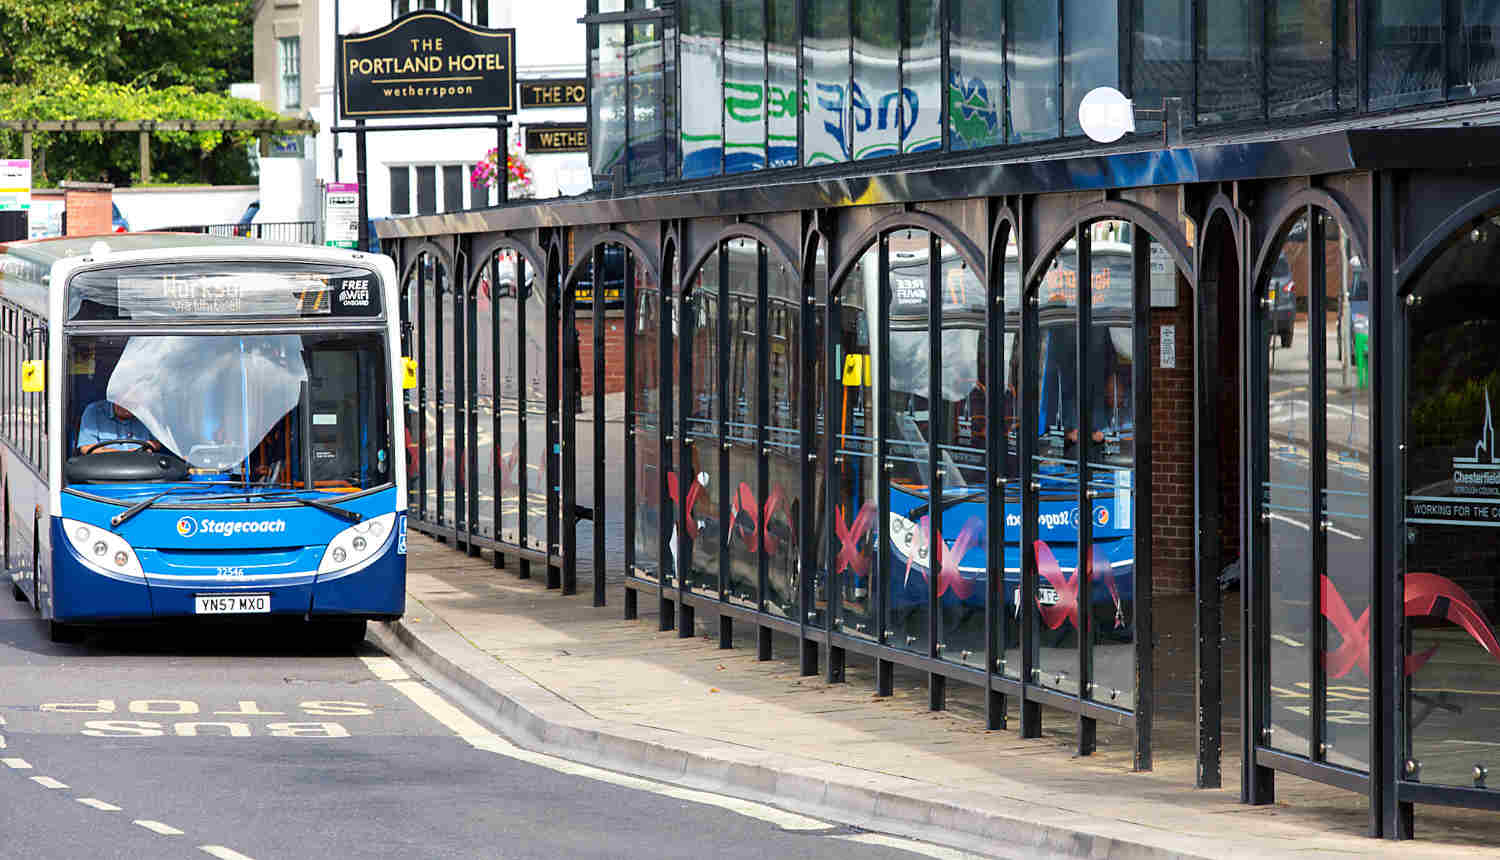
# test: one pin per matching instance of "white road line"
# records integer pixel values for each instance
(16, 763)
(158, 827)
(479, 737)
(385, 669)
(923, 848)
(222, 853)
(98, 804)
(47, 782)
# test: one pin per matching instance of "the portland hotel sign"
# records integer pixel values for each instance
(428, 64)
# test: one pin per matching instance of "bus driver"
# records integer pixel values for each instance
(104, 421)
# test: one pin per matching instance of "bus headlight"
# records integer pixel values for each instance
(357, 545)
(102, 550)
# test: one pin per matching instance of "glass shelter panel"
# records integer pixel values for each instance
(485, 365)
(534, 470)
(643, 62)
(922, 78)
(1091, 53)
(1286, 501)
(1032, 67)
(875, 102)
(431, 396)
(1346, 586)
(975, 88)
(1110, 450)
(819, 590)
(1007, 634)
(645, 416)
(907, 422)
(1055, 471)
(511, 271)
(1406, 53)
(607, 97)
(743, 259)
(961, 433)
(1452, 510)
(783, 504)
(1299, 64)
(1229, 61)
(853, 482)
(782, 91)
(825, 63)
(701, 53)
(744, 86)
(699, 499)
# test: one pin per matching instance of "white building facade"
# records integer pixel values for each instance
(408, 172)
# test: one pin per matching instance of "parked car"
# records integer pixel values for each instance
(117, 221)
(242, 226)
(1283, 301)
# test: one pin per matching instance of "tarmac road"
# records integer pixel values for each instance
(254, 742)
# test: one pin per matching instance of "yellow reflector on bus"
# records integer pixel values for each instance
(34, 375)
(408, 372)
(856, 370)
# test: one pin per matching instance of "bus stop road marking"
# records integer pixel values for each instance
(481, 738)
(16, 763)
(158, 827)
(98, 804)
(385, 669)
(222, 853)
(47, 782)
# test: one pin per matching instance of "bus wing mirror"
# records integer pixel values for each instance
(408, 372)
(34, 376)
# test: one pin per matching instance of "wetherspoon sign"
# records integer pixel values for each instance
(427, 64)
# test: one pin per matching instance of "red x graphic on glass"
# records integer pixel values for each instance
(744, 504)
(506, 466)
(694, 490)
(948, 573)
(850, 556)
(1066, 607)
(1422, 593)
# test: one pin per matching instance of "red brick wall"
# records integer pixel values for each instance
(614, 352)
(87, 205)
(1172, 450)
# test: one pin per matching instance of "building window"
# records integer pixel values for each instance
(400, 191)
(427, 190)
(453, 187)
(289, 52)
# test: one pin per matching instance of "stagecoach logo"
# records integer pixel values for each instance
(1479, 475)
(188, 526)
(1101, 516)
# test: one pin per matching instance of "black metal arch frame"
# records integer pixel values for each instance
(1260, 759)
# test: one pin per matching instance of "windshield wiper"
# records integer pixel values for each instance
(348, 516)
(116, 520)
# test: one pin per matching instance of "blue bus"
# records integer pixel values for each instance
(201, 427)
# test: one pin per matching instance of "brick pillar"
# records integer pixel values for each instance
(614, 351)
(1172, 449)
(87, 207)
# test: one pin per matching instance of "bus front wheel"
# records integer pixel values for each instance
(343, 632)
(64, 634)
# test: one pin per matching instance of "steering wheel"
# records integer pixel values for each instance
(100, 446)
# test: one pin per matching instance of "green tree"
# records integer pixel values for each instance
(128, 60)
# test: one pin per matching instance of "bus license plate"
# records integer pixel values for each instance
(231, 604)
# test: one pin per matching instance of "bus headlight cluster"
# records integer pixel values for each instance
(102, 549)
(357, 545)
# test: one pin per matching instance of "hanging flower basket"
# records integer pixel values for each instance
(486, 173)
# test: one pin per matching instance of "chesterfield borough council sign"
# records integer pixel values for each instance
(427, 64)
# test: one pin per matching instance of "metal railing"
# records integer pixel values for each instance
(296, 232)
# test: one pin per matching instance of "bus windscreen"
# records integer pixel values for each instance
(292, 410)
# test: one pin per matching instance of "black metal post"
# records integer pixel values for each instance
(601, 427)
(632, 508)
(885, 670)
(937, 690)
(1087, 726)
(502, 140)
(997, 463)
(1317, 359)
(1029, 387)
(1144, 464)
(361, 164)
(1208, 649)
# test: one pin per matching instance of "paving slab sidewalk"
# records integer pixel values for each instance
(579, 682)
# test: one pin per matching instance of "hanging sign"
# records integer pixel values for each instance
(557, 137)
(427, 64)
(341, 215)
(554, 92)
(15, 185)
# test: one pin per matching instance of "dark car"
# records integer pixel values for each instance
(1283, 298)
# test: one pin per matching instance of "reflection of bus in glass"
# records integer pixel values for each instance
(206, 428)
(961, 518)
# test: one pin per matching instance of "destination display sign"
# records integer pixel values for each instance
(557, 137)
(554, 92)
(427, 64)
(154, 293)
